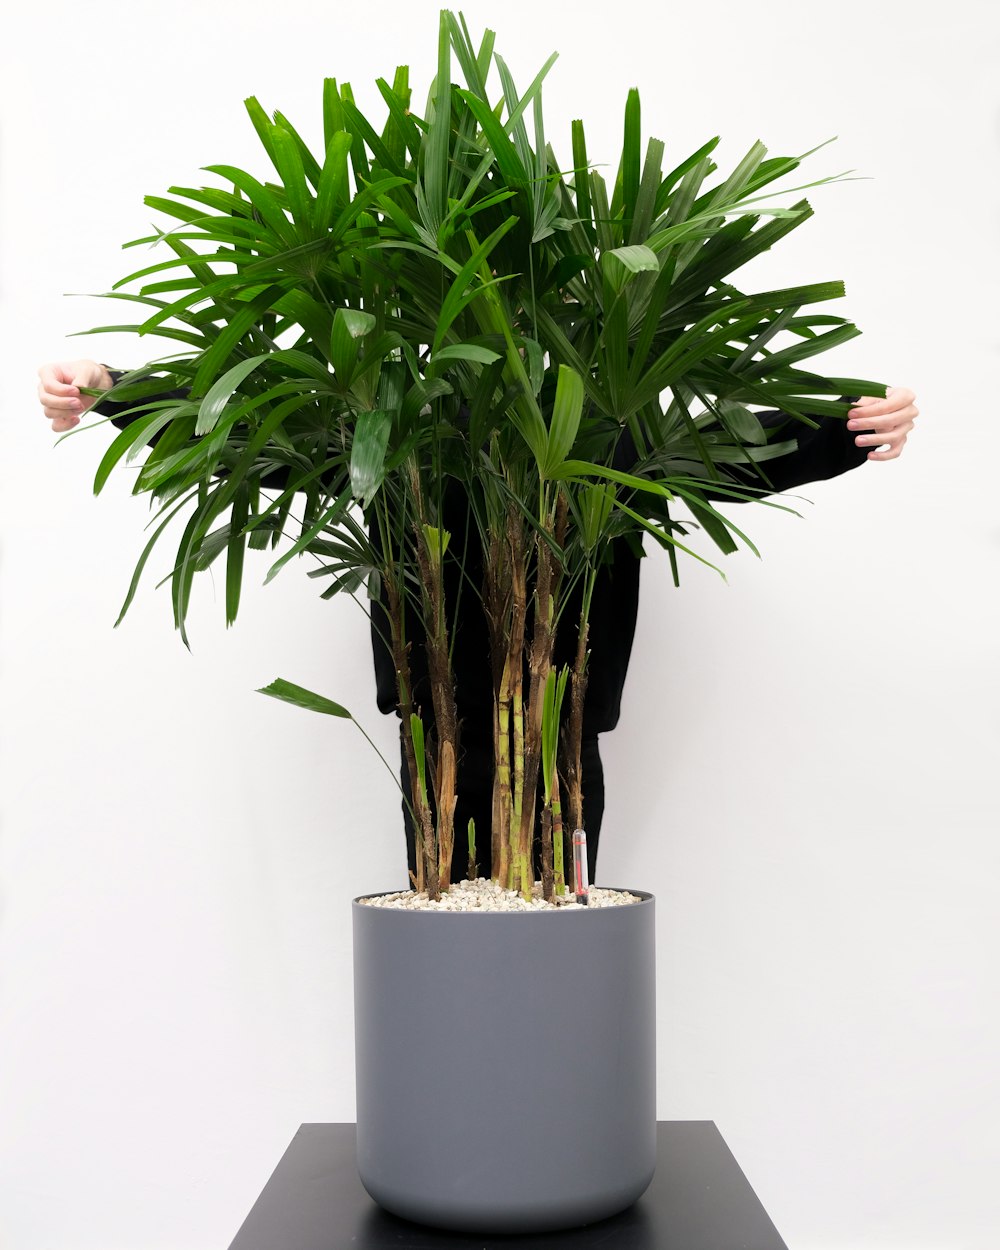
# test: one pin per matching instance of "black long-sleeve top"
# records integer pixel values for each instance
(821, 453)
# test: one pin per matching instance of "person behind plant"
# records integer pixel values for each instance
(876, 430)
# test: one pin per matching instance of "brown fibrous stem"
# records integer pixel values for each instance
(553, 520)
(573, 736)
(430, 560)
(516, 867)
(497, 606)
(423, 831)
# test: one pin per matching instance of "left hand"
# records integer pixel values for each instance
(885, 422)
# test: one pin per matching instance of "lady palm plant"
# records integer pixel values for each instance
(435, 335)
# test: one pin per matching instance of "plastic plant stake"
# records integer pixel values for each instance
(580, 883)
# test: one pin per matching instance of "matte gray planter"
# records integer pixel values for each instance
(506, 1064)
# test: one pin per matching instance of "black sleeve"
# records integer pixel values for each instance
(820, 453)
(277, 479)
(114, 408)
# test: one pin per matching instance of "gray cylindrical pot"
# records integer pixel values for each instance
(506, 1064)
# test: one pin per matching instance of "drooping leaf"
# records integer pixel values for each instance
(567, 409)
(350, 325)
(219, 394)
(299, 696)
(636, 258)
(236, 549)
(371, 437)
(444, 356)
(328, 517)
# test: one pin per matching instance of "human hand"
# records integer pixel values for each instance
(59, 390)
(886, 422)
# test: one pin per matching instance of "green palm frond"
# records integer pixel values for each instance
(433, 303)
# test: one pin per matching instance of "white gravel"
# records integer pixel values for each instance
(487, 895)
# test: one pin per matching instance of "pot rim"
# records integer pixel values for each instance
(643, 896)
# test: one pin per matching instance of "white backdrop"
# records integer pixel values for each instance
(805, 772)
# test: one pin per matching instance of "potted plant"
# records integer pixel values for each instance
(465, 374)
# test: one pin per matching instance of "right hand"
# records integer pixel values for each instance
(59, 390)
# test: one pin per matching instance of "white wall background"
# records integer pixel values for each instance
(805, 773)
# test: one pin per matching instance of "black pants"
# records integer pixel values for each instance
(475, 799)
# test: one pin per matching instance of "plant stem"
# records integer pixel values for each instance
(558, 865)
(548, 872)
(496, 604)
(540, 663)
(423, 833)
(430, 559)
(502, 796)
(573, 741)
(515, 661)
(473, 870)
(553, 519)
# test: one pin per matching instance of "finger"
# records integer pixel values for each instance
(59, 405)
(58, 377)
(896, 399)
(889, 447)
(60, 397)
(872, 420)
(61, 424)
(890, 436)
(890, 453)
(63, 414)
